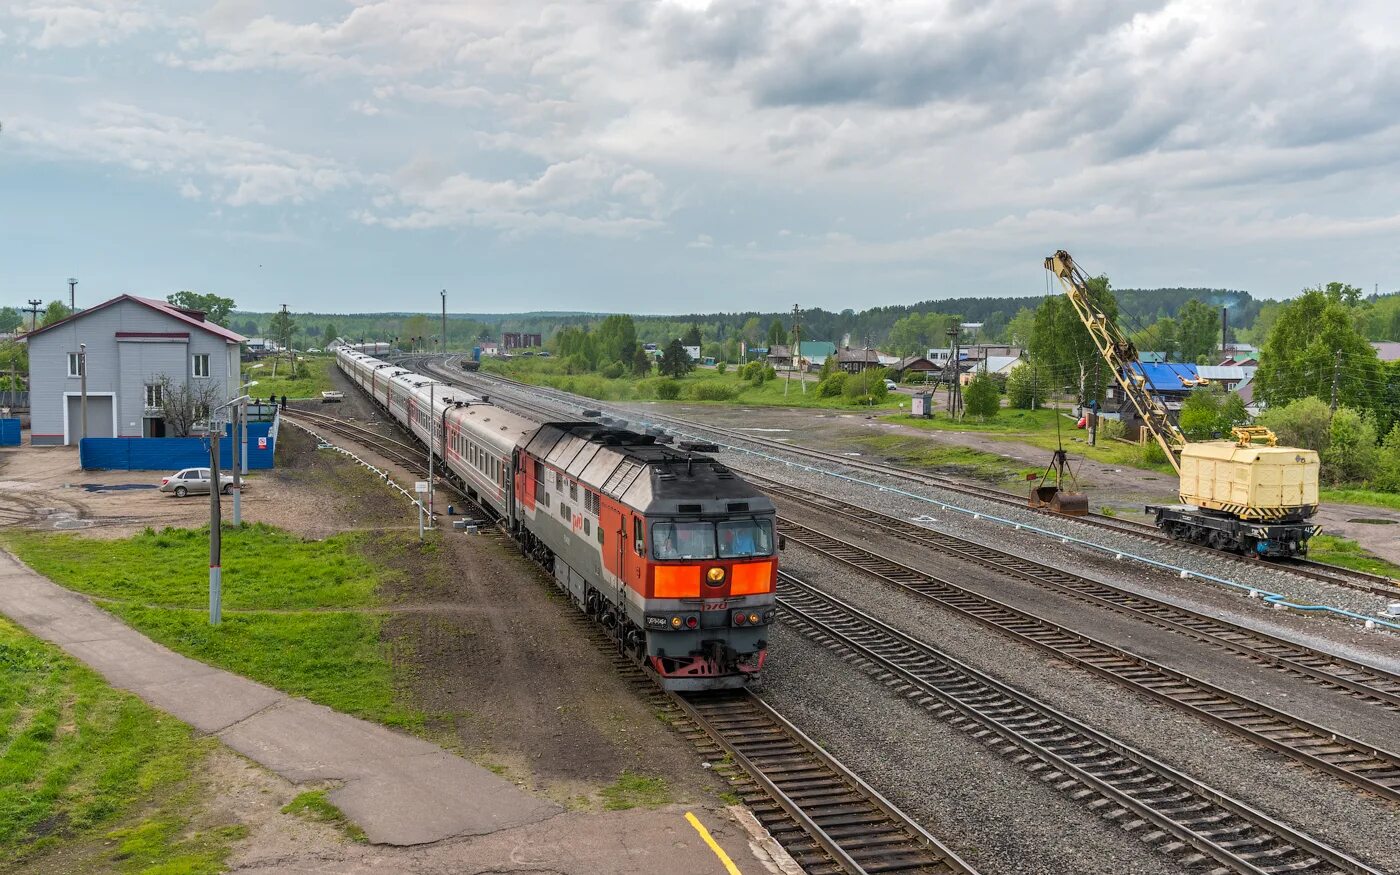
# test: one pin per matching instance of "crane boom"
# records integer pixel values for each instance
(1119, 352)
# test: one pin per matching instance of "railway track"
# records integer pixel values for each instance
(823, 814)
(1365, 766)
(1357, 679)
(1358, 580)
(1197, 825)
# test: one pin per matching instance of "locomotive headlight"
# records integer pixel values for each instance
(753, 619)
(715, 575)
(675, 622)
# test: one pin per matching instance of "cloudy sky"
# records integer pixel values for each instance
(680, 156)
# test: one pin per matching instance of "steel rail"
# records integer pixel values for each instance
(1355, 678)
(856, 826)
(1140, 791)
(1365, 766)
(1311, 569)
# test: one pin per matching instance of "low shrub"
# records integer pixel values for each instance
(668, 389)
(710, 391)
(1111, 429)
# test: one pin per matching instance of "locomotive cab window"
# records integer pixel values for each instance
(688, 540)
(741, 538)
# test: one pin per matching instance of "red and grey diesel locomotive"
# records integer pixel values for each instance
(665, 547)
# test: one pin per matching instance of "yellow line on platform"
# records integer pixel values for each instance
(714, 845)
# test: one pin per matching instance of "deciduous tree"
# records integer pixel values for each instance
(55, 311)
(216, 308)
(982, 398)
(1198, 331)
(1313, 344)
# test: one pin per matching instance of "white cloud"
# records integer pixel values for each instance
(587, 195)
(938, 128)
(73, 24)
(701, 241)
(235, 170)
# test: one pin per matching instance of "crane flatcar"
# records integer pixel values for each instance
(665, 547)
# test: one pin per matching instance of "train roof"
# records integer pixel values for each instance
(634, 469)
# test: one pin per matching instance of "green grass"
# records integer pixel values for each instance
(314, 806)
(694, 386)
(81, 762)
(1038, 428)
(264, 567)
(1349, 554)
(1369, 497)
(631, 790)
(313, 378)
(919, 452)
(299, 615)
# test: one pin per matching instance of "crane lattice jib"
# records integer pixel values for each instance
(1119, 352)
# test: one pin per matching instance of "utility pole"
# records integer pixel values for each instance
(34, 313)
(797, 348)
(82, 388)
(286, 339)
(239, 414)
(1224, 329)
(216, 581)
(432, 407)
(955, 381)
(1336, 378)
(443, 351)
(72, 295)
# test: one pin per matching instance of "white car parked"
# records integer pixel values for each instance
(193, 481)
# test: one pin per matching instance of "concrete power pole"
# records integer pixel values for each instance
(443, 350)
(82, 387)
(797, 347)
(1336, 378)
(34, 313)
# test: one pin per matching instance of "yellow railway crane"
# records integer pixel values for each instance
(1246, 495)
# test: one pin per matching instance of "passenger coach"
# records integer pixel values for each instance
(665, 547)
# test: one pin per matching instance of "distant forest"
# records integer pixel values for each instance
(1137, 308)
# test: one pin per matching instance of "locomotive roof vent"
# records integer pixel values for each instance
(736, 506)
(699, 446)
(689, 508)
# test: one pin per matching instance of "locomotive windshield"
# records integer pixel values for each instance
(740, 538)
(683, 540)
(731, 539)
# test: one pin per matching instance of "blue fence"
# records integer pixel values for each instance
(172, 454)
(9, 432)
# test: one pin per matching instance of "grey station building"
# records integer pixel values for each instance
(131, 343)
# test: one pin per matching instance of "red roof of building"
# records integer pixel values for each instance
(189, 317)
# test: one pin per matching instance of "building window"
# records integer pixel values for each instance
(75, 364)
(201, 365)
(154, 396)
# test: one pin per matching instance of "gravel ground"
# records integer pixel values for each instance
(994, 814)
(1325, 807)
(1339, 712)
(1262, 576)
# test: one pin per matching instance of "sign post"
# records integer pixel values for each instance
(421, 488)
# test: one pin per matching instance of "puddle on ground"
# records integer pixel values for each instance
(65, 520)
(115, 487)
(1372, 521)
